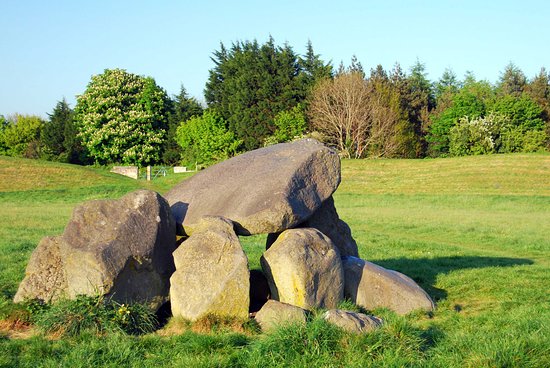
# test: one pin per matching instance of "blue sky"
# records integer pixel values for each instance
(50, 49)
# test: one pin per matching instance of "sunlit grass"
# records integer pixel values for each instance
(472, 231)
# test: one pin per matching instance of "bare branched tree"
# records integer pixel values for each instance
(339, 110)
(360, 118)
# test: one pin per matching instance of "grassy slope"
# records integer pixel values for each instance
(472, 231)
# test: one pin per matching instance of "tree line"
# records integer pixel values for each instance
(261, 94)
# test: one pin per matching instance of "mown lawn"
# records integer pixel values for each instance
(474, 232)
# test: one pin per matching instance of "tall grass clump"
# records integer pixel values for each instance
(97, 315)
(314, 344)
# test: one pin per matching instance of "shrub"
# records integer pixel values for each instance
(205, 139)
(494, 133)
(291, 124)
(97, 315)
(514, 139)
(476, 136)
(21, 136)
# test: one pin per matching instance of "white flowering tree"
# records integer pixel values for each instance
(121, 118)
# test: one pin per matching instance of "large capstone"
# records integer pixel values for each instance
(118, 248)
(212, 274)
(267, 190)
(372, 286)
(304, 269)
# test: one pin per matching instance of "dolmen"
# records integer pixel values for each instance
(184, 247)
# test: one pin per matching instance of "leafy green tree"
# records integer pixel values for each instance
(21, 136)
(472, 100)
(182, 108)
(122, 117)
(493, 133)
(522, 111)
(206, 139)
(445, 90)
(291, 124)
(250, 84)
(539, 90)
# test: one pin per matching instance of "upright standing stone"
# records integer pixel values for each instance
(45, 276)
(372, 286)
(262, 191)
(304, 269)
(212, 274)
(121, 248)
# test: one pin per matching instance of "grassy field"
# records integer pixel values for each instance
(473, 231)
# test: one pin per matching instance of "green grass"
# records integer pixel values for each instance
(473, 231)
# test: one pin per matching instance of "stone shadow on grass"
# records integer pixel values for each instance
(424, 271)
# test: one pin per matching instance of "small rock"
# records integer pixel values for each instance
(275, 313)
(351, 321)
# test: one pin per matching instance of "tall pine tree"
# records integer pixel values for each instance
(251, 83)
(59, 136)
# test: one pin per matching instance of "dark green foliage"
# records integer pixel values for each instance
(251, 83)
(512, 81)
(391, 99)
(53, 134)
(448, 83)
(420, 97)
(96, 315)
(59, 136)
(313, 68)
(3, 125)
(539, 90)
